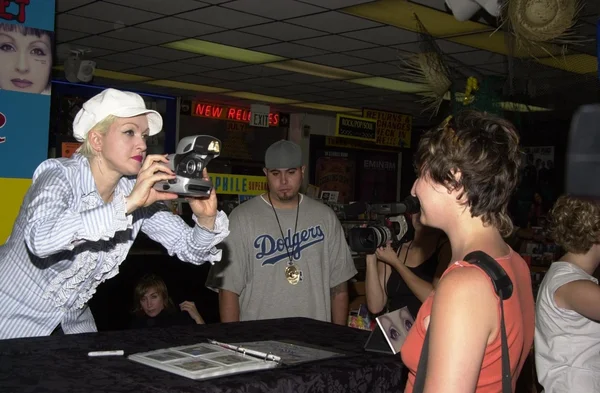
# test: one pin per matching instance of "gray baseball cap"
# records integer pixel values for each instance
(283, 154)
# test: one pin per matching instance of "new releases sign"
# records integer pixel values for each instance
(356, 128)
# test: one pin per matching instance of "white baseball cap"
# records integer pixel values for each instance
(117, 103)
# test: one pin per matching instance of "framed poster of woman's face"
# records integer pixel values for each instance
(25, 59)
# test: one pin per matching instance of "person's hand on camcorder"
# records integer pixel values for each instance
(387, 254)
(205, 208)
(154, 169)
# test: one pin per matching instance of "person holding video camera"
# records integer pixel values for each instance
(567, 334)
(405, 278)
(467, 170)
(81, 215)
(287, 255)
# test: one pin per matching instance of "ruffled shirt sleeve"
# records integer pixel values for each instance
(191, 244)
(55, 224)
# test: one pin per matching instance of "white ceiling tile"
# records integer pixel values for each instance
(237, 39)
(162, 6)
(290, 50)
(132, 59)
(117, 14)
(65, 5)
(268, 82)
(378, 54)
(340, 102)
(225, 74)
(142, 35)
(307, 97)
(479, 57)
(334, 4)
(348, 94)
(156, 73)
(163, 53)
(259, 70)
(198, 79)
(86, 25)
(182, 68)
(335, 43)
(377, 69)
(336, 60)
(214, 62)
(182, 27)
(280, 9)
(270, 91)
(302, 78)
(338, 85)
(231, 85)
(107, 43)
(333, 22)
(223, 17)
(112, 65)
(63, 35)
(214, 1)
(283, 31)
(297, 89)
(386, 35)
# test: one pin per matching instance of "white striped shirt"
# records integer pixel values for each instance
(66, 241)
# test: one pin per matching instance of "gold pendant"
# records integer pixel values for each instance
(292, 274)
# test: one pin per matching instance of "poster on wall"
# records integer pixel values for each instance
(26, 47)
(335, 172)
(378, 177)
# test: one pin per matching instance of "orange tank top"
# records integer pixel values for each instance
(519, 314)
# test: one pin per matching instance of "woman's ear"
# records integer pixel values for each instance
(96, 141)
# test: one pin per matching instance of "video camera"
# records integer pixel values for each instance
(391, 225)
(192, 156)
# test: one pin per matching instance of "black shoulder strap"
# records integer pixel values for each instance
(504, 288)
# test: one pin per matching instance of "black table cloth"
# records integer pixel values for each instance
(61, 364)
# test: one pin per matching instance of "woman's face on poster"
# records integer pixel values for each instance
(25, 61)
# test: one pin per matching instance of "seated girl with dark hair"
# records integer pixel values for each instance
(154, 308)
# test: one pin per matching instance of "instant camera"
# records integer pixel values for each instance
(192, 156)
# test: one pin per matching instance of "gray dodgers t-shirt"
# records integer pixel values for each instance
(255, 257)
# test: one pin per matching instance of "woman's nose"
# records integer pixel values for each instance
(22, 62)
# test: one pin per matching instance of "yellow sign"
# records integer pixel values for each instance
(355, 127)
(11, 203)
(393, 129)
(238, 184)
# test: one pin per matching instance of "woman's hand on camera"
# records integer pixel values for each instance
(387, 254)
(205, 209)
(154, 169)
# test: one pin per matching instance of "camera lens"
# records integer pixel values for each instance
(191, 166)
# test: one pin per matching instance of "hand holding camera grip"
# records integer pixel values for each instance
(143, 194)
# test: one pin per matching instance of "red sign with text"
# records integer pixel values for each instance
(231, 113)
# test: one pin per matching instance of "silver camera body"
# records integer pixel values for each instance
(192, 156)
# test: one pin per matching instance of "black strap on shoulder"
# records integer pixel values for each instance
(504, 289)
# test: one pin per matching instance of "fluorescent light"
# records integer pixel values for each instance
(187, 86)
(325, 107)
(391, 84)
(223, 51)
(261, 97)
(304, 67)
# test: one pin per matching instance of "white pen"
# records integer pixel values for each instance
(118, 352)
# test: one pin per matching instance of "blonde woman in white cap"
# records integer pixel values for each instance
(81, 215)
